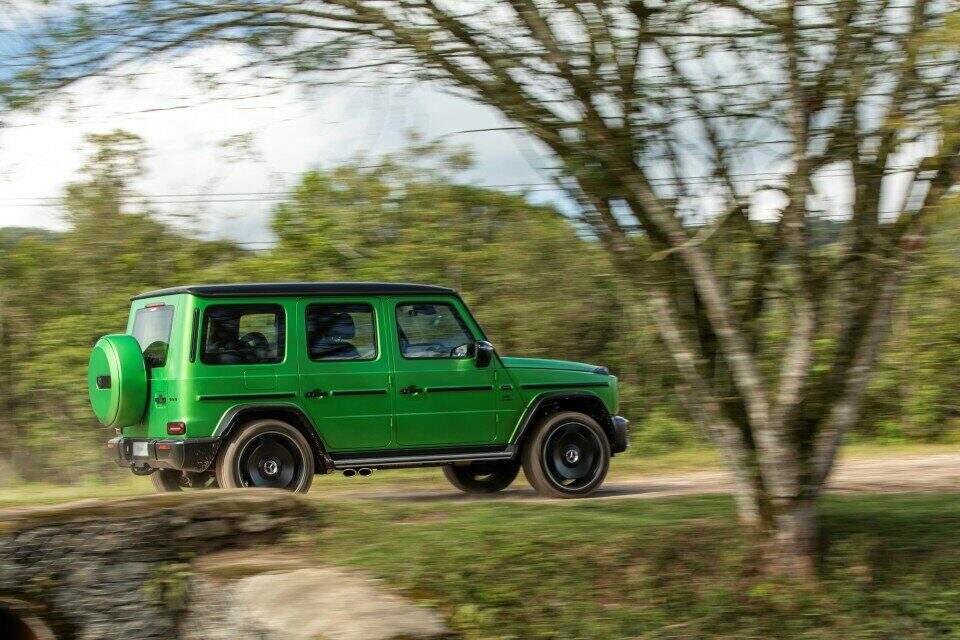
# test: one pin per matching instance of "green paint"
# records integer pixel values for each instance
(117, 381)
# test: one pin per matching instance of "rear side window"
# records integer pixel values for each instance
(341, 332)
(243, 334)
(429, 330)
(151, 328)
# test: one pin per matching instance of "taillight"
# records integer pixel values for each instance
(176, 428)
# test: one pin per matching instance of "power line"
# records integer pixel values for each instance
(239, 197)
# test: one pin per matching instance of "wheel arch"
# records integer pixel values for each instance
(237, 416)
(553, 402)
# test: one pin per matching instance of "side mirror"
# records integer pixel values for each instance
(483, 353)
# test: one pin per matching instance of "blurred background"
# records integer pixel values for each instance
(567, 173)
(537, 283)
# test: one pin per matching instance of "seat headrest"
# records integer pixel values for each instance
(338, 326)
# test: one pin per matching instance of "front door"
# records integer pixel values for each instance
(345, 374)
(441, 398)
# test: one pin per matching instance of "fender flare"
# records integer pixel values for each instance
(532, 410)
(233, 417)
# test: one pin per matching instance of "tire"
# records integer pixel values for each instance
(167, 480)
(266, 454)
(482, 477)
(567, 456)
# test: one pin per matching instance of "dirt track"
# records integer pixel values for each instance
(916, 473)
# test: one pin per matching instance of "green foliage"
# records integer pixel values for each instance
(59, 293)
(661, 432)
(918, 381)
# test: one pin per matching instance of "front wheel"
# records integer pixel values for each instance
(266, 454)
(567, 456)
(482, 477)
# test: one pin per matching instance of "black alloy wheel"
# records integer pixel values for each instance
(267, 454)
(269, 461)
(567, 456)
(571, 455)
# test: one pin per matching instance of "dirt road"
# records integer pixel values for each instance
(917, 473)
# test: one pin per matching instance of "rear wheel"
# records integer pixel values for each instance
(266, 454)
(567, 456)
(482, 477)
(166, 480)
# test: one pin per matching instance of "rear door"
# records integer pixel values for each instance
(441, 397)
(153, 325)
(345, 372)
(245, 355)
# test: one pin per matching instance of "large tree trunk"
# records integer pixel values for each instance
(789, 547)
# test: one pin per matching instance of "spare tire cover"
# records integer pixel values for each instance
(117, 381)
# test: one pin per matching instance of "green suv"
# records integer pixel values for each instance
(266, 385)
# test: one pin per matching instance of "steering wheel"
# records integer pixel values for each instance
(437, 348)
(255, 341)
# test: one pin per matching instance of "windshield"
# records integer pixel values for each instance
(151, 328)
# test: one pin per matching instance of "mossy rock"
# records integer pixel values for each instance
(189, 505)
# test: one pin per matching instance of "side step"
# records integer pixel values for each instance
(422, 460)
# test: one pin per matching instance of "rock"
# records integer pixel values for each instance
(117, 569)
(185, 567)
(204, 529)
(311, 603)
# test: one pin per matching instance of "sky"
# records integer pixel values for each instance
(227, 194)
(190, 170)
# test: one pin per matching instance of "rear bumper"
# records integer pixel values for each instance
(195, 454)
(621, 438)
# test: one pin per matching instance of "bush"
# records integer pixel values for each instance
(661, 432)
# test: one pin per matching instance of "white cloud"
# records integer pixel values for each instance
(184, 128)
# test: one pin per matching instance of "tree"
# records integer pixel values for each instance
(677, 126)
(407, 219)
(914, 394)
(60, 292)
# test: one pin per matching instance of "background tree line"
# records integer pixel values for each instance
(539, 284)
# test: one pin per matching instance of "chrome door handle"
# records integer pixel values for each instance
(316, 393)
(412, 390)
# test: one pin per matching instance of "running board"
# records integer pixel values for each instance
(424, 460)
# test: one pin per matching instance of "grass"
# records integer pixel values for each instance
(629, 568)
(658, 569)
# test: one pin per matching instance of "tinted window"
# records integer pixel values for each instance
(151, 328)
(341, 332)
(429, 330)
(243, 334)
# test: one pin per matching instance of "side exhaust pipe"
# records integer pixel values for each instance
(349, 473)
(365, 472)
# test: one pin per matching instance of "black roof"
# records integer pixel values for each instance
(299, 289)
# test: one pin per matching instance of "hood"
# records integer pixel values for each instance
(541, 363)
